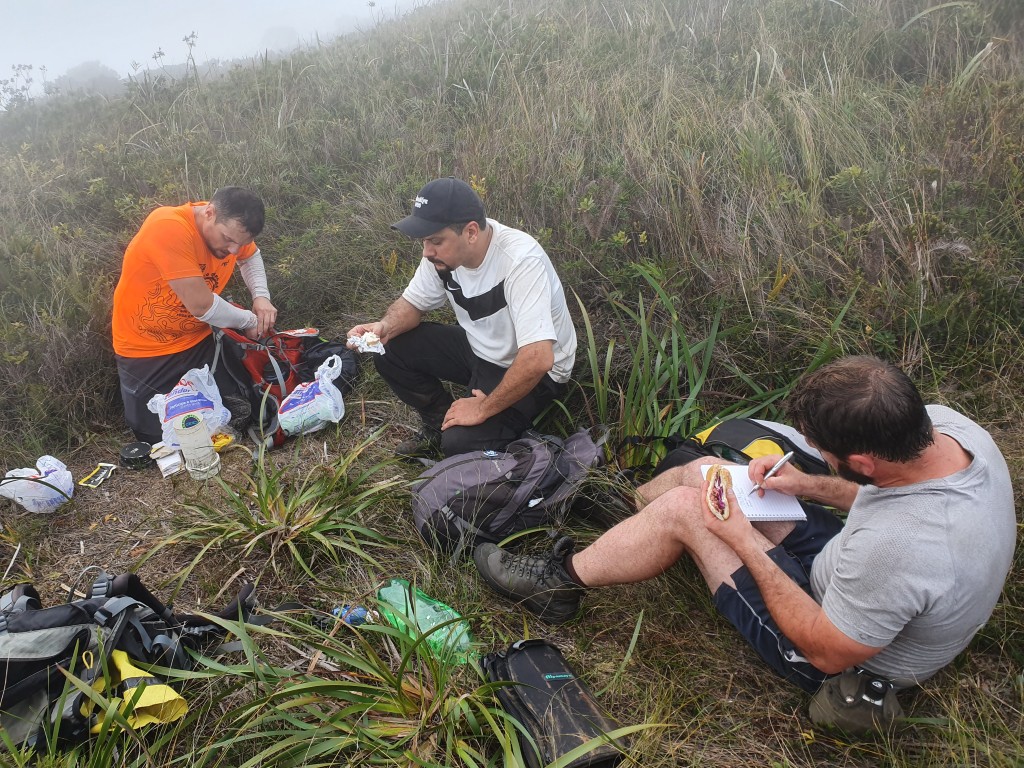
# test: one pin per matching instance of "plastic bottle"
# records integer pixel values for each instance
(451, 642)
(201, 460)
(352, 614)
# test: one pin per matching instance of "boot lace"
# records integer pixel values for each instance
(535, 569)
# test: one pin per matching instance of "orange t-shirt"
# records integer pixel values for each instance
(149, 318)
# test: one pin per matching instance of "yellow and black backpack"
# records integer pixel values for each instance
(740, 441)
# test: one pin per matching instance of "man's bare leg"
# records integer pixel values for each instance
(650, 542)
(666, 481)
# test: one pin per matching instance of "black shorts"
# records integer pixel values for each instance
(745, 608)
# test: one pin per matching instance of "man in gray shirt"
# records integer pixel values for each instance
(890, 597)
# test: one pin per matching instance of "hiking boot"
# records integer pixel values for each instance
(857, 702)
(540, 584)
(241, 412)
(424, 444)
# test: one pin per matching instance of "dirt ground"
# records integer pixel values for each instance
(114, 526)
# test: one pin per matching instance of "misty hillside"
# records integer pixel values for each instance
(732, 192)
(763, 154)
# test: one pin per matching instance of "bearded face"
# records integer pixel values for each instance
(845, 471)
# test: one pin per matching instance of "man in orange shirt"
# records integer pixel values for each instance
(168, 296)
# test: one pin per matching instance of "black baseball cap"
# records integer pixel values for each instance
(440, 203)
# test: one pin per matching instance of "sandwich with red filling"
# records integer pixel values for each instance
(719, 482)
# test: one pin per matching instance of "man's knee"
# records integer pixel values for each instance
(383, 365)
(657, 485)
(678, 508)
(456, 440)
(683, 475)
(492, 435)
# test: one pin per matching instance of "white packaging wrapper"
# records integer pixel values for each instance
(195, 392)
(368, 342)
(37, 489)
(313, 404)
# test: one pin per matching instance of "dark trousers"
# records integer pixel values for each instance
(416, 363)
(143, 377)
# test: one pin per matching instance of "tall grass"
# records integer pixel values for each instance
(768, 155)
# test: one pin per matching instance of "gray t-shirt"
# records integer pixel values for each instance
(918, 569)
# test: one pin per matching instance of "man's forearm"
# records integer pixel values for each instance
(800, 618)
(519, 380)
(794, 610)
(221, 314)
(400, 317)
(254, 275)
(829, 490)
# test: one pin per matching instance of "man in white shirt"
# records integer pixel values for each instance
(513, 347)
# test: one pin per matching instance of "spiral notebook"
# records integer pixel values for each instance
(772, 506)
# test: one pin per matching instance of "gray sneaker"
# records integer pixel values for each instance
(541, 584)
(424, 444)
(241, 412)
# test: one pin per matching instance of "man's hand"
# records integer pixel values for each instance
(788, 480)
(400, 317)
(736, 531)
(828, 490)
(266, 316)
(364, 328)
(467, 411)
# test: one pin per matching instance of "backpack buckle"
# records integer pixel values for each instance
(101, 586)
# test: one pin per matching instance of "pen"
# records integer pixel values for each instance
(778, 465)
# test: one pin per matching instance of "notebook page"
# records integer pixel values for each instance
(774, 505)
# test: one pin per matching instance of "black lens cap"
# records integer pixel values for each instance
(136, 455)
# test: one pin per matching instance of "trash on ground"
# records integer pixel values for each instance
(201, 460)
(136, 455)
(95, 478)
(42, 489)
(195, 392)
(169, 460)
(451, 642)
(355, 615)
(313, 404)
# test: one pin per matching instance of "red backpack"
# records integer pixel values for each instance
(267, 370)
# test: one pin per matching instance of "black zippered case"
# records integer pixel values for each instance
(555, 707)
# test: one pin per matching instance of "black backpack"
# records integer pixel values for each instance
(120, 626)
(737, 440)
(485, 496)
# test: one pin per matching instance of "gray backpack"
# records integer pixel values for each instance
(485, 496)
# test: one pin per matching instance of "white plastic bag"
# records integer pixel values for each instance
(313, 403)
(42, 489)
(195, 392)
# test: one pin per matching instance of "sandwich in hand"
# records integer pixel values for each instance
(719, 482)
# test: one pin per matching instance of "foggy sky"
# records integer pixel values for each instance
(61, 34)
